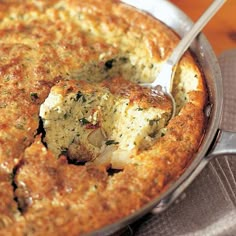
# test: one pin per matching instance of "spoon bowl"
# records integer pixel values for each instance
(164, 79)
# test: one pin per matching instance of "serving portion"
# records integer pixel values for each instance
(82, 144)
(103, 123)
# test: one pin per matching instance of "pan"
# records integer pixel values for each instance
(217, 141)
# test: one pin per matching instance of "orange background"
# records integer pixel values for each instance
(221, 30)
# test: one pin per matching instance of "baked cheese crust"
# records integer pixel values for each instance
(59, 59)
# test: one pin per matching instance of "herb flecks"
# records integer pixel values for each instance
(66, 115)
(123, 59)
(139, 109)
(111, 142)
(80, 96)
(20, 126)
(84, 121)
(153, 122)
(34, 96)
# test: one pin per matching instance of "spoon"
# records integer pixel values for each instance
(165, 77)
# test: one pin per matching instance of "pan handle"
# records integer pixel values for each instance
(225, 143)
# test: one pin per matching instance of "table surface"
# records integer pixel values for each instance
(221, 30)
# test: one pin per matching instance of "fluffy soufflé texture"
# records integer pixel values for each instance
(105, 123)
(82, 145)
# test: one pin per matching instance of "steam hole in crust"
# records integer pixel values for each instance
(21, 203)
(41, 131)
(111, 171)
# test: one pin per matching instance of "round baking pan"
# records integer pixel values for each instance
(216, 141)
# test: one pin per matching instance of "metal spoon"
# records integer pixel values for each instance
(165, 77)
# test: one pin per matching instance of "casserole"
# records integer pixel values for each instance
(38, 162)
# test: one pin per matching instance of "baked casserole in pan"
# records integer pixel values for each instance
(82, 145)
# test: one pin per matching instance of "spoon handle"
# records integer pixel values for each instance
(194, 31)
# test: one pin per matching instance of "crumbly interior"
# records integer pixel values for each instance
(89, 122)
(56, 54)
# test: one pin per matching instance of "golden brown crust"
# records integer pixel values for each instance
(45, 42)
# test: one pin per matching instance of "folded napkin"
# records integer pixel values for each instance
(208, 206)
